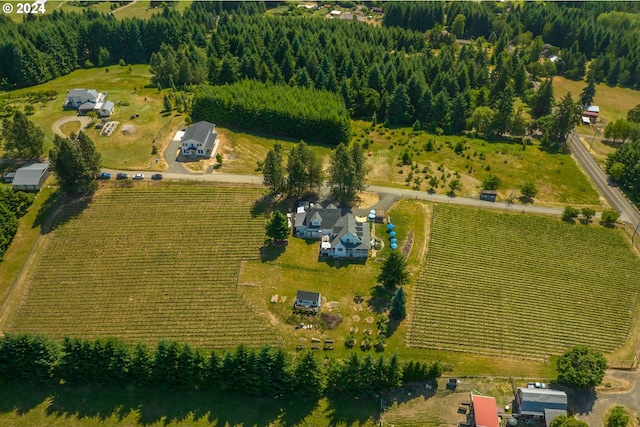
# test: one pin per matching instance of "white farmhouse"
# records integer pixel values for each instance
(199, 140)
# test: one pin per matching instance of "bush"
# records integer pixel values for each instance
(609, 218)
(350, 342)
(618, 417)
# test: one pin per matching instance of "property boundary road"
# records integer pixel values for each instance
(628, 212)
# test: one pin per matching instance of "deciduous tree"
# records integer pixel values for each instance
(564, 421)
(570, 213)
(581, 367)
(609, 217)
(75, 162)
(529, 190)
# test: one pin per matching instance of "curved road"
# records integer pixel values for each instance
(614, 196)
(84, 121)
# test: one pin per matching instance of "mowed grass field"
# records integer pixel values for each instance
(130, 88)
(522, 285)
(150, 263)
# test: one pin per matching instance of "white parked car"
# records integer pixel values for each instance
(138, 176)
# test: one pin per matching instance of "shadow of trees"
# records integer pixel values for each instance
(59, 209)
(166, 406)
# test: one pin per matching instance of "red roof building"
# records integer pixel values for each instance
(484, 412)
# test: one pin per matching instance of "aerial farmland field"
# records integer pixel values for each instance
(522, 285)
(150, 263)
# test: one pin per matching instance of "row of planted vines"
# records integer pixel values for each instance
(522, 285)
(150, 264)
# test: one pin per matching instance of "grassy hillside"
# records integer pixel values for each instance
(510, 284)
(149, 263)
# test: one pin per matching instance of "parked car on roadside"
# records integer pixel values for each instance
(103, 175)
(156, 176)
(121, 175)
(138, 176)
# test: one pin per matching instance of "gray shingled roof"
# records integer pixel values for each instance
(198, 131)
(108, 105)
(82, 93)
(308, 296)
(328, 216)
(30, 175)
(348, 224)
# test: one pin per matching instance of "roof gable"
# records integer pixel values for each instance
(199, 132)
(308, 296)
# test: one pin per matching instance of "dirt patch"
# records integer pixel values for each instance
(331, 305)
(358, 307)
(332, 320)
(367, 199)
(369, 319)
(408, 244)
(615, 385)
(129, 129)
(356, 318)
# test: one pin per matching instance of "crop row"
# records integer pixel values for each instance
(522, 285)
(148, 264)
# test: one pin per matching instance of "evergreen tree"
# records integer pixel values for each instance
(75, 162)
(503, 111)
(633, 115)
(21, 137)
(273, 170)
(543, 100)
(308, 376)
(304, 170)
(394, 271)
(589, 91)
(346, 172)
(277, 227)
(167, 104)
(400, 108)
(458, 114)
(398, 305)
(141, 365)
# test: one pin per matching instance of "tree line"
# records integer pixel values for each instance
(13, 205)
(601, 32)
(296, 112)
(266, 371)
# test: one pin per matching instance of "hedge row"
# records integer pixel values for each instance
(281, 110)
(267, 371)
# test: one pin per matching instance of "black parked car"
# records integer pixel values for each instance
(122, 176)
(156, 176)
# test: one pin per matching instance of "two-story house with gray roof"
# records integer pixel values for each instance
(199, 140)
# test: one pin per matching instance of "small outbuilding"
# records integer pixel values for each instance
(488, 195)
(106, 109)
(7, 177)
(540, 403)
(307, 300)
(31, 177)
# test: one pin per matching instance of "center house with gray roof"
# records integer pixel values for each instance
(199, 140)
(341, 235)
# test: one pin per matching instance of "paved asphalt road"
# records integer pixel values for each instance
(615, 197)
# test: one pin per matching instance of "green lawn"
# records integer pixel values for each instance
(556, 175)
(129, 87)
(521, 285)
(614, 102)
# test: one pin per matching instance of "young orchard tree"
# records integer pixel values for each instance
(609, 218)
(277, 228)
(587, 213)
(21, 137)
(492, 182)
(529, 190)
(570, 213)
(394, 271)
